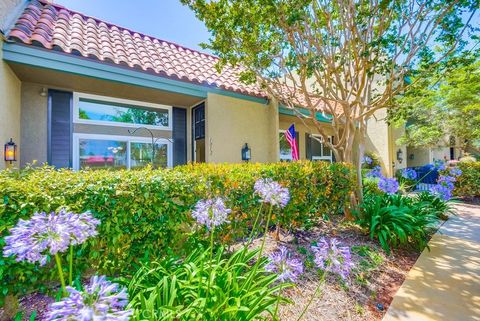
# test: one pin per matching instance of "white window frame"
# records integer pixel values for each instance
(322, 158)
(78, 120)
(127, 139)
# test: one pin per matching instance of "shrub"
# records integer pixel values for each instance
(395, 220)
(468, 184)
(145, 214)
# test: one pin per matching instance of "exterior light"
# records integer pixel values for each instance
(400, 156)
(10, 151)
(43, 92)
(246, 153)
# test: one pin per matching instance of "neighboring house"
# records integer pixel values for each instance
(75, 88)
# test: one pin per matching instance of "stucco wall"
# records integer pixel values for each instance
(34, 124)
(421, 156)
(377, 140)
(395, 134)
(232, 122)
(9, 107)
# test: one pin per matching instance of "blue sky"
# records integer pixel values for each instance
(165, 19)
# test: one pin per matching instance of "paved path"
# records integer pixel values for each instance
(444, 284)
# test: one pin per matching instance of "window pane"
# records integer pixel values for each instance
(316, 147)
(141, 155)
(97, 110)
(95, 153)
(285, 150)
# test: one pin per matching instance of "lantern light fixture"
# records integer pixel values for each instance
(246, 153)
(400, 156)
(10, 151)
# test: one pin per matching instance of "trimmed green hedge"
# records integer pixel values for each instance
(146, 214)
(468, 184)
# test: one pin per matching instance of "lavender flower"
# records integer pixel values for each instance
(376, 172)
(409, 173)
(211, 212)
(272, 192)
(31, 240)
(441, 191)
(101, 300)
(439, 165)
(388, 185)
(455, 172)
(287, 267)
(331, 257)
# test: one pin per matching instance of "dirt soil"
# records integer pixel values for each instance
(366, 296)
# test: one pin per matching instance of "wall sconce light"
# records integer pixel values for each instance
(412, 156)
(43, 92)
(10, 151)
(246, 153)
(400, 156)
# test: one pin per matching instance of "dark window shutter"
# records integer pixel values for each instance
(333, 154)
(60, 128)
(308, 146)
(179, 136)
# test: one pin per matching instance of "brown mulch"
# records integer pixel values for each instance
(363, 300)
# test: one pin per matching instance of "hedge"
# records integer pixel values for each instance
(145, 214)
(468, 184)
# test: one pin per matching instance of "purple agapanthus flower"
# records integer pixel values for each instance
(409, 173)
(331, 257)
(32, 240)
(100, 300)
(441, 191)
(367, 160)
(376, 172)
(272, 192)
(211, 212)
(439, 165)
(447, 181)
(284, 265)
(388, 185)
(455, 171)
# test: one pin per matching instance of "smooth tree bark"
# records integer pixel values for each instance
(343, 59)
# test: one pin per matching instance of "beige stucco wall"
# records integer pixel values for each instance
(395, 134)
(9, 107)
(34, 124)
(232, 122)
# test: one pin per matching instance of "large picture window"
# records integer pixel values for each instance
(98, 110)
(118, 152)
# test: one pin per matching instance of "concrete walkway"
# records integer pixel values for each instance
(444, 284)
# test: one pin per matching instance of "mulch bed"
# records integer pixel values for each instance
(366, 300)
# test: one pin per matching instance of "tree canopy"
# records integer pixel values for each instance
(445, 104)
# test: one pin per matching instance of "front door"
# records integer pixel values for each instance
(198, 133)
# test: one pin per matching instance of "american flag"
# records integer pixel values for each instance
(292, 141)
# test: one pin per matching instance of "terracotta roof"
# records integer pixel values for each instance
(56, 28)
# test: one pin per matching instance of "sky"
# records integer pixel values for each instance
(164, 19)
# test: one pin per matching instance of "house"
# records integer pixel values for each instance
(80, 92)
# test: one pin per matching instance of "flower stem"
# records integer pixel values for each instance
(276, 306)
(210, 269)
(265, 234)
(70, 266)
(60, 273)
(313, 296)
(252, 232)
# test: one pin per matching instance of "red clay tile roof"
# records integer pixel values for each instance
(57, 28)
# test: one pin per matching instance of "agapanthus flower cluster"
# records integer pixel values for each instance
(211, 212)
(367, 160)
(445, 185)
(388, 185)
(409, 173)
(439, 165)
(32, 240)
(376, 172)
(272, 192)
(100, 300)
(455, 172)
(284, 265)
(331, 257)
(441, 191)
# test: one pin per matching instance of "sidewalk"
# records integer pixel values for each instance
(444, 284)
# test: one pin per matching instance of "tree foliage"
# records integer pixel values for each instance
(345, 58)
(443, 105)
